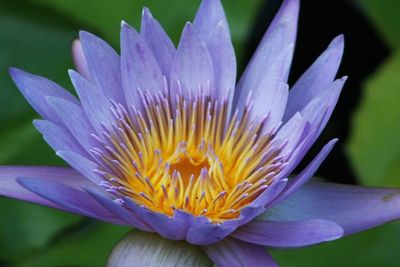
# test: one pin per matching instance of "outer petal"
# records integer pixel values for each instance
(57, 137)
(104, 65)
(118, 210)
(289, 234)
(318, 76)
(146, 249)
(192, 68)
(297, 182)
(290, 135)
(81, 164)
(354, 208)
(74, 119)
(140, 69)
(271, 61)
(79, 58)
(158, 41)
(10, 188)
(319, 110)
(95, 104)
(71, 199)
(35, 89)
(211, 25)
(231, 252)
(174, 227)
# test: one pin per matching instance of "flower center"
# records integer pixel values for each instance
(186, 155)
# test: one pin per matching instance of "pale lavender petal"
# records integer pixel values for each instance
(79, 59)
(321, 73)
(118, 210)
(289, 234)
(139, 67)
(290, 135)
(297, 182)
(258, 206)
(104, 65)
(269, 96)
(158, 41)
(57, 137)
(272, 59)
(211, 25)
(80, 163)
(232, 252)
(320, 109)
(10, 188)
(71, 199)
(75, 120)
(95, 104)
(35, 89)
(192, 69)
(354, 208)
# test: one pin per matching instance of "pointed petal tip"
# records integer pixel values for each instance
(83, 35)
(13, 70)
(15, 73)
(125, 25)
(146, 13)
(290, 7)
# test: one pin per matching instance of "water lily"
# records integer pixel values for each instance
(163, 139)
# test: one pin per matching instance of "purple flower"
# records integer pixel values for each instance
(162, 139)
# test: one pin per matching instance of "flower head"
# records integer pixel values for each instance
(163, 140)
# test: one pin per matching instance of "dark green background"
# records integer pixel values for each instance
(36, 36)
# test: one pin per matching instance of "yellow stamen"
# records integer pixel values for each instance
(185, 156)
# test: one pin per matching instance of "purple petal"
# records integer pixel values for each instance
(81, 164)
(104, 65)
(290, 134)
(289, 234)
(354, 208)
(192, 68)
(118, 210)
(79, 59)
(75, 120)
(139, 68)
(95, 104)
(319, 113)
(35, 89)
(318, 76)
(205, 232)
(71, 199)
(297, 182)
(158, 41)
(271, 61)
(174, 227)
(57, 137)
(10, 188)
(211, 25)
(231, 252)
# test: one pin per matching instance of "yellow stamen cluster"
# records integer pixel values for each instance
(188, 155)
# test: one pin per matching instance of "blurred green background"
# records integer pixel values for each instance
(36, 35)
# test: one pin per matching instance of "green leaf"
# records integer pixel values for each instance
(374, 146)
(89, 246)
(25, 228)
(37, 44)
(385, 16)
(376, 247)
